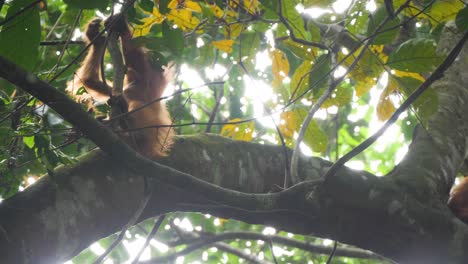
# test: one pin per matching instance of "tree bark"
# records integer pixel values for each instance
(53, 221)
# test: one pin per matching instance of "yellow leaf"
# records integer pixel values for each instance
(378, 50)
(224, 45)
(216, 11)
(385, 106)
(250, 5)
(183, 18)
(222, 221)
(231, 13)
(241, 131)
(280, 64)
(148, 22)
(181, 4)
(364, 84)
(300, 79)
(157, 14)
(413, 75)
(367, 70)
(195, 7)
(233, 31)
(174, 4)
(277, 85)
(442, 11)
(288, 124)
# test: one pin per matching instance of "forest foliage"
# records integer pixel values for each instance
(247, 69)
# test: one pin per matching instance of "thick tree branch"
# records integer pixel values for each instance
(96, 197)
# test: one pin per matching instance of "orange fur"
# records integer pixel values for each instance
(458, 201)
(142, 85)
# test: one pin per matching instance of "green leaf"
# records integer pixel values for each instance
(426, 104)
(163, 6)
(84, 257)
(314, 136)
(173, 39)
(29, 141)
(462, 19)
(340, 97)
(314, 30)
(147, 5)
(157, 60)
(102, 108)
(320, 73)
(87, 4)
(443, 11)
(300, 79)
(294, 19)
(19, 38)
(388, 32)
(415, 55)
(317, 3)
(150, 42)
(204, 56)
(250, 44)
(235, 96)
(271, 10)
(299, 50)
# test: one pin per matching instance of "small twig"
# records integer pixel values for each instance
(61, 42)
(83, 51)
(270, 243)
(202, 107)
(64, 144)
(62, 52)
(54, 26)
(160, 99)
(16, 109)
(131, 222)
(153, 232)
(212, 117)
(332, 253)
(291, 31)
(197, 27)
